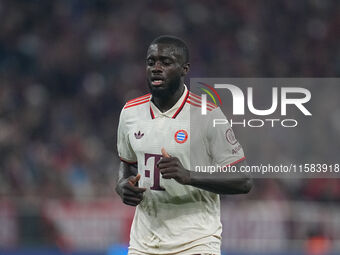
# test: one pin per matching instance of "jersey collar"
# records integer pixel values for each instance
(173, 111)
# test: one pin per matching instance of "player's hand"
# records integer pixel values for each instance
(129, 191)
(171, 167)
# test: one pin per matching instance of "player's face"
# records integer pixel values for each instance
(164, 68)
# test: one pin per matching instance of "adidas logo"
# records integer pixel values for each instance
(139, 135)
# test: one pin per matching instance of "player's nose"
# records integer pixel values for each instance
(157, 68)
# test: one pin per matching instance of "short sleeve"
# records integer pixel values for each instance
(125, 150)
(224, 148)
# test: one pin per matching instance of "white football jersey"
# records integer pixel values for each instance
(174, 218)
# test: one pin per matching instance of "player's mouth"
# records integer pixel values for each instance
(157, 81)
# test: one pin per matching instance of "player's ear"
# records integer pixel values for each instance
(185, 69)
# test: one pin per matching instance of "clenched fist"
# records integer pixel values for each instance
(171, 167)
(129, 191)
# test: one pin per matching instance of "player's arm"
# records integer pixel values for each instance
(127, 181)
(127, 184)
(219, 182)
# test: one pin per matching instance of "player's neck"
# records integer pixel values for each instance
(167, 102)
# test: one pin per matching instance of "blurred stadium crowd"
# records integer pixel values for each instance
(68, 66)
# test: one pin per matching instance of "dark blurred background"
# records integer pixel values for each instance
(68, 66)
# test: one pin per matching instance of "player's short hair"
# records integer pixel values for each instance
(173, 40)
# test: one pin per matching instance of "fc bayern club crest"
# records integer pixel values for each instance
(181, 136)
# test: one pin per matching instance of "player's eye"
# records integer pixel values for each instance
(150, 62)
(167, 62)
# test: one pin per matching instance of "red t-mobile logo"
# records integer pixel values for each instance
(156, 172)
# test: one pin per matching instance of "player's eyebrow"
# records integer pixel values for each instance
(159, 57)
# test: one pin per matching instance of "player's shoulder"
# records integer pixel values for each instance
(137, 103)
(195, 101)
(135, 107)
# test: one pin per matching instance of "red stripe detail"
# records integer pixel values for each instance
(130, 105)
(139, 100)
(199, 100)
(128, 162)
(198, 105)
(195, 100)
(213, 91)
(193, 103)
(209, 109)
(237, 161)
(151, 112)
(135, 99)
(194, 95)
(181, 107)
